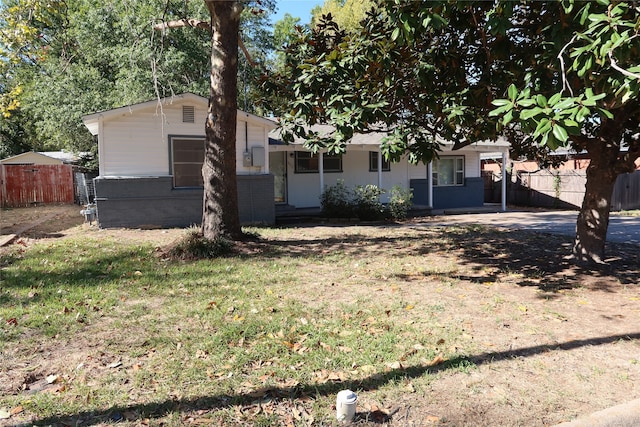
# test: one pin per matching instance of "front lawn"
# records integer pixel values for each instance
(428, 325)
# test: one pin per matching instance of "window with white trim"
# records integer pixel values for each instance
(187, 157)
(373, 162)
(448, 171)
(307, 162)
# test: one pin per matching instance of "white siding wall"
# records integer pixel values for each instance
(304, 188)
(138, 144)
(257, 137)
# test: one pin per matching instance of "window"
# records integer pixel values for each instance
(307, 162)
(187, 156)
(448, 170)
(373, 162)
(188, 114)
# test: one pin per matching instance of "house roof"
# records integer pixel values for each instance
(65, 156)
(375, 139)
(91, 121)
(31, 158)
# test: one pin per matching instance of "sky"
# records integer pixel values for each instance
(296, 8)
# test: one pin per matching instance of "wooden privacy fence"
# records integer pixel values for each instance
(561, 189)
(26, 185)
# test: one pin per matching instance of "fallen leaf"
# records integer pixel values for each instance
(409, 307)
(395, 365)
(12, 322)
(438, 360)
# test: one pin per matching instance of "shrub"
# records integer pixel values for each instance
(366, 202)
(399, 202)
(336, 201)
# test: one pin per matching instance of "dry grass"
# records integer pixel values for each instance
(450, 326)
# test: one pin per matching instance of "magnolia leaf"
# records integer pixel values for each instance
(527, 114)
(560, 133)
(500, 102)
(605, 113)
(513, 92)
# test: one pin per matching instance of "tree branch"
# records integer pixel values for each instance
(186, 22)
(615, 66)
(205, 25)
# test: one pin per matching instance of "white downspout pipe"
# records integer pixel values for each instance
(504, 182)
(430, 184)
(321, 172)
(379, 168)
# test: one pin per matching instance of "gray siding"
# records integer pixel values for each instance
(469, 195)
(152, 202)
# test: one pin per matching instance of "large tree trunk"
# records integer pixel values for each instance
(593, 219)
(220, 216)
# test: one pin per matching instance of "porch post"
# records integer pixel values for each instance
(504, 181)
(379, 167)
(430, 184)
(321, 172)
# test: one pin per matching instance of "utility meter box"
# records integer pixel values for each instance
(246, 159)
(258, 156)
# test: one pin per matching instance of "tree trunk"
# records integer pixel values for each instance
(593, 219)
(220, 216)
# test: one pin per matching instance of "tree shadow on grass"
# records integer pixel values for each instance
(541, 260)
(482, 254)
(157, 410)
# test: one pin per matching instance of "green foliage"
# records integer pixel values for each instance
(399, 202)
(366, 202)
(64, 59)
(335, 201)
(348, 14)
(363, 202)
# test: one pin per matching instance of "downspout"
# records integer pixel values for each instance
(379, 167)
(430, 184)
(503, 198)
(321, 171)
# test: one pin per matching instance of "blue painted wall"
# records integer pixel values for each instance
(469, 195)
(152, 202)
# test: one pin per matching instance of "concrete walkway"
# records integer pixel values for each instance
(625, 415)
(622, 229)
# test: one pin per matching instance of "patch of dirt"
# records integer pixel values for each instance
(64, 221)
(552, 341)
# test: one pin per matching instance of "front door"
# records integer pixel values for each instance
(278, 167)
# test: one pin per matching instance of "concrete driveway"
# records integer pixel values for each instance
(622, 229)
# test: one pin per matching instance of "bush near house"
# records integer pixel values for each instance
(363, 202)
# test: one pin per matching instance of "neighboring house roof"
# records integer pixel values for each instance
(92, 121)
(65, 156)
(32, 158)
(375, 139)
